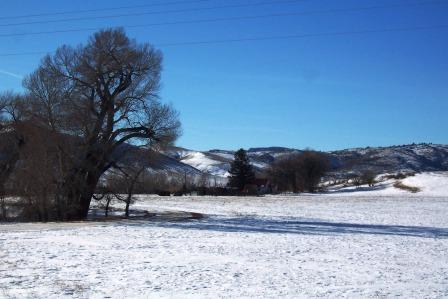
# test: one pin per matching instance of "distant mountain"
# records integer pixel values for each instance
(413, 157)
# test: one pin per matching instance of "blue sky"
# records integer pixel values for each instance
(323, 92)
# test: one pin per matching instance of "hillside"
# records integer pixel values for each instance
(413, 157)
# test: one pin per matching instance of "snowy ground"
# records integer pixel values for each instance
(333, 245)
(430, 184)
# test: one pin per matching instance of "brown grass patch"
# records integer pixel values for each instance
(400, 185)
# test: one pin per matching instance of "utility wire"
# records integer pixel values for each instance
(299, 36)
(212, 20)
(152, 13)
(284, 37)
(101, 9)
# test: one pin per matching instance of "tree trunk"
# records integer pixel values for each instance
(86, 197)
(128, 202)
(3, 208)
(78, 193)
(106, 212)
(129, 198)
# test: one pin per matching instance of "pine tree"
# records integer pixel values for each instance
(241, 172)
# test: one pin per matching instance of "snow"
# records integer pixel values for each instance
(429, 183)
(224, 155)
(259, 165)
(200, 161)
(307, 246)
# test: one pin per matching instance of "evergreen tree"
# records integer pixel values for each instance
(241, 172)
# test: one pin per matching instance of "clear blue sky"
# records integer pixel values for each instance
(323, 92)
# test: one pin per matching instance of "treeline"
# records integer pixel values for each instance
(294, 172)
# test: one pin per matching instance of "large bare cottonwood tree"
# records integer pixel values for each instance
(99, 96)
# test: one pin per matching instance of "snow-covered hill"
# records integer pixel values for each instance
(217, 162)
(209, 163)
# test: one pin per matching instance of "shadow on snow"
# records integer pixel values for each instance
(343, 190)
(288, 226)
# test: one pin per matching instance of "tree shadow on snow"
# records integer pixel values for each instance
(357, 189)
(262, 225)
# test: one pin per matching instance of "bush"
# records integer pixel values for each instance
(368, 178)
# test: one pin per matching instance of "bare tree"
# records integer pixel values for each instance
(11, 142)
(299, 171)
(3, 164)
(34, 178)
(284, 173)
(101, 94)
(368, 177)
(104, 196)
(356, 181)
(3, 104)
(128, 178)
(314, 165)
(204, 182)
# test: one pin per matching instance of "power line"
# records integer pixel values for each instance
(152, 13)
(101, 9)
(314, 12)
(299, 36)
(265, 38)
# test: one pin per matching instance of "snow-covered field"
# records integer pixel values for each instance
(333, 245)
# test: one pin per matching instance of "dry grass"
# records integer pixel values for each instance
(400, 185)
(400, 175)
